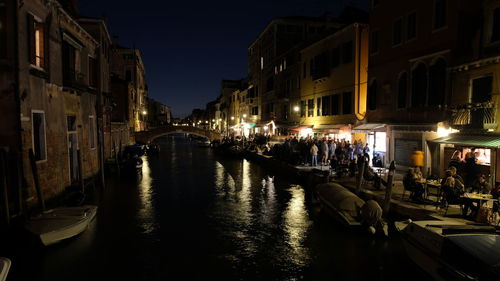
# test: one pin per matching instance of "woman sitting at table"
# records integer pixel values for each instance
(413, 183)
(451, 192)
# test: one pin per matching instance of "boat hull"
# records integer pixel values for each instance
(4, 268)
(61, 223)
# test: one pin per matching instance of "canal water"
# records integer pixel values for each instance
(196, 216)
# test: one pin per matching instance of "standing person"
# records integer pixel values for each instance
(324, 153)
(314, 154)
(331, 149)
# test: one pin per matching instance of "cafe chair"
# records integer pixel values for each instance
(448, 199)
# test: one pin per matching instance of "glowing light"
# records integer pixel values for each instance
(296, 108)
(206, 122)
(213, 120)
(144, 112)
(266, 128)
(232, 117)
(306, 132)
(244, 116)
(444, 131)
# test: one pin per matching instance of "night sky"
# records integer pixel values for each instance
(188, 47)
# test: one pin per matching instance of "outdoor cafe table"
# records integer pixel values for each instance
(480, 198)
(433, 184)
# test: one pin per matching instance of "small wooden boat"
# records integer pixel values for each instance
(350, 210)
(4, 268)
(340, 203)
(452, 250)
(61, 223)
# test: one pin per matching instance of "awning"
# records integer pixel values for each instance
(484, 140)
(368, 127)
(329, 128)
(298, 128)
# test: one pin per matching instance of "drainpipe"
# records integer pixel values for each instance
(100, 123)
(359, 30)
(17, 96)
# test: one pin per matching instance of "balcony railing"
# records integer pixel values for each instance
(74, 79)
(474, 116)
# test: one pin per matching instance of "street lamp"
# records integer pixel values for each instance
(232, 117)
(296, 108)
(144, 112)
(244, 116)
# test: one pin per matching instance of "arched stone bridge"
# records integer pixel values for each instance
(147, 136)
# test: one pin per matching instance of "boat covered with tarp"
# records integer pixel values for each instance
(339, 202)
(453, 250)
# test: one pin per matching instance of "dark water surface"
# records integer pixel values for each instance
(197, 216)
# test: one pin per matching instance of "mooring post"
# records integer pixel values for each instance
(388, 189)
(361, 172)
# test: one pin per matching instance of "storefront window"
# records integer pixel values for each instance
(380, 144)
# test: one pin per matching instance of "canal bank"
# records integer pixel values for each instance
(401, 206)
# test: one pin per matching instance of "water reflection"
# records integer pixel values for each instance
(145, 212)
(296, 226)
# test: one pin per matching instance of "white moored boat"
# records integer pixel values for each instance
(4, 268)
(61, 223)
(451, 250)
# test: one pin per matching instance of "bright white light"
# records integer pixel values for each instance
(306, 132)
(213, 120)
(265, 128)
(232, 117)
(144, 112)
(244, 116)
(296, 108)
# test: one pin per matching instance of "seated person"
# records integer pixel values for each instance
(451, 192)
(495, 192)
(480, 186)
(459, 181)
(412, 182)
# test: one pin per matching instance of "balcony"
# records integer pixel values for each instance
(474, 116)
(74, 79)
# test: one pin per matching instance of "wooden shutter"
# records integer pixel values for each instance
(31, 38)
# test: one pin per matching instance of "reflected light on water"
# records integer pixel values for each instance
(296, 225)
(146, 193)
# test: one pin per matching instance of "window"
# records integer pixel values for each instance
(347, 103)
(402, 89)
(411, 26)
(419, 85)
(36, 47)
(3, 34)
(318, 107)
(284, 111)
(71, 62)
(302, 108)
(335, 57)
(325, 105)
(270, 84)
(92, 132)
(397, 30)
(71, 122)
(495, 25)
(372, 95)
(481, 89)
(347, 52)
(261, 63)
(39, 139)
(255, 110)
(93, 80)
(437, 82)
(321, 67)
(439, 13)
(374, 42)
(310, 108)
(335, 104)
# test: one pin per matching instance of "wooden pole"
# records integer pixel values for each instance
(3, 186)
(361, 172)
(80, 170)
(36, 178)
(388, 189)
